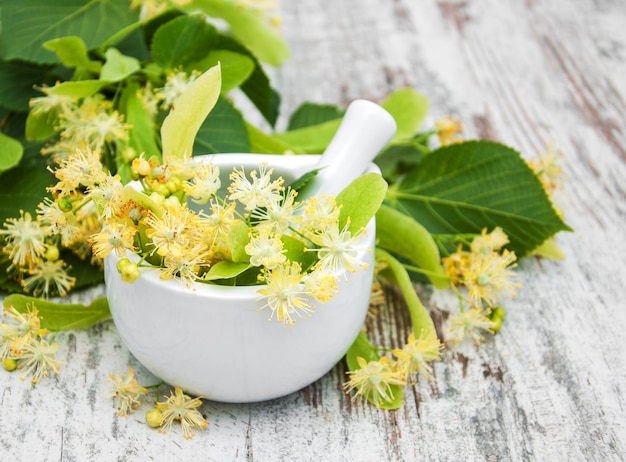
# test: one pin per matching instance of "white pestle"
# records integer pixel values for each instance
(365, 129)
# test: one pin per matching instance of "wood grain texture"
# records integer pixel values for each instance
(551, 385)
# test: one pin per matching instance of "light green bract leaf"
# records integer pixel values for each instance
(237, 240)
(225, 269)
(363, 348)
(11, 152)
(79, 88)
(181, 125)
(40, 125)
(26, 24)
(118, 66)
(402, 235)
(549, 249)
(247, 27)
(360, 200)
(312, 139)
(58, 317)
(408, 108)
(397, 274)
(72, 52)
(465, 187)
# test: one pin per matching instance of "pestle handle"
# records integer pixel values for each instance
(365, 129)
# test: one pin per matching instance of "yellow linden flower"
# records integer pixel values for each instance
(115, 237)
(278, 215)
(185, 264)
(168, 233)
(175, 85)
(488, 242)
(338, 251)
(285, 293)
(221, 220)
(48, 278)
(179, 406)
(417, 354)
(320, 285)
(449, 130)
(204, 183)
(37, 357)
(318, 213)
(472, 322)
(259, 192)
(489, 277)
(81, 168)
(455, 263)
(373, 380)
(106, 194)
(265, 249)
(127, 390)
(548, 168)
(25, 240)
(57, 221)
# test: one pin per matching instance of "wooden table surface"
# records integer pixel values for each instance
(551, 385)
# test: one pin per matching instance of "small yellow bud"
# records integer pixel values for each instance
(173, 184)
(154, 418)
(163, 190)
(157, 198)
(65, 205)
(497, 325)
(141, 167)
(129, 154)
(9, 364)
(52, 253)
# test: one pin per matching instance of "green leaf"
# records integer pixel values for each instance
(41, 125)
(309, 114)
(26, 24)
(295, 251)
(225, 270)
(257, 88)
(58, 317)
(312, 139)
(183, 40)
(72, 52)
(224, 130)
(409, 109)
(142, 133)
(237, 240)
(262, 143)
(188, 112)
(236, 67)
(402, 235)
(465, 187)
(22, 188)
(249, 28)
(78, 89)
(117, 66)
(363, 348)
(398, 159)
(305, 179)
(397, 274)
(360, 200)
(17, 81)
(11, 152)
(85, 273)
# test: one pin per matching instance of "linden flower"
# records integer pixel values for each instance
(24, 240)
(50, 102)
(106, 194)
(81, 168)
(472, 322)
(319, 213)
(47, 278)
(204, 184)
(548, 169)
(58, 222)
(37, 357)
(20, 326)
(114, 237)
(259, 192)
(486, 243)
(321, 285)
(127, 390)
(221, 220)
(373, 380)
(183, 408)
(339, 250)
(417, 354)
(285, 293)
(168, 232)
(488, 277)
(185, 264)
(266, 250)
(448, 130)
(175, 85)
(278, 216)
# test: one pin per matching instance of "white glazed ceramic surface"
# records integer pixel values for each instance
(212, 341)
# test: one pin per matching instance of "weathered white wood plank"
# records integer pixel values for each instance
(550, 386)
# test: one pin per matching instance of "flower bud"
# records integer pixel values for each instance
(154, 418)
(9, 364)
(163, 190)
(65, 205)
(52, 253)
(129, 154)
(173, 184)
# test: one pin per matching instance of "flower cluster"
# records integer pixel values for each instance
(176, 407)
(486, 271)
(23, 344)
(374, 381)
